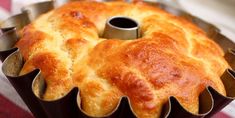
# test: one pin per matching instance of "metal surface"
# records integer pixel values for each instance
(65, 107)
(210, 101)
(18, 21)
(121, 27)
(230, 57)
(8, 39)
(35, 10)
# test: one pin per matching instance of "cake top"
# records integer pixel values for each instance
(171, 58)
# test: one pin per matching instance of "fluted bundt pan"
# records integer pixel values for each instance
(69, 106)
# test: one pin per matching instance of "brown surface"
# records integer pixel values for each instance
(172, 58)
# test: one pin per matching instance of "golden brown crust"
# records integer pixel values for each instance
(172, 58)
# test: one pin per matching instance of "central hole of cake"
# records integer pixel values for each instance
(123, 22)
(121, 27)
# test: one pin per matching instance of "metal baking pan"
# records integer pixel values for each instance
(210, 101)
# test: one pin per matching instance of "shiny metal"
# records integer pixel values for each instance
(171, 3)
(4, 54)
(11, 68)
(173, 107)
(229, 82)
(8, 38)
(65, 107)
(210, 101)
(224, 42)
(220, 101)
(206, 102)
(121, 27)
(34, 10)
(230, 57)
(13, 64)
(58, 3)
(41, 86)
(18, 21)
